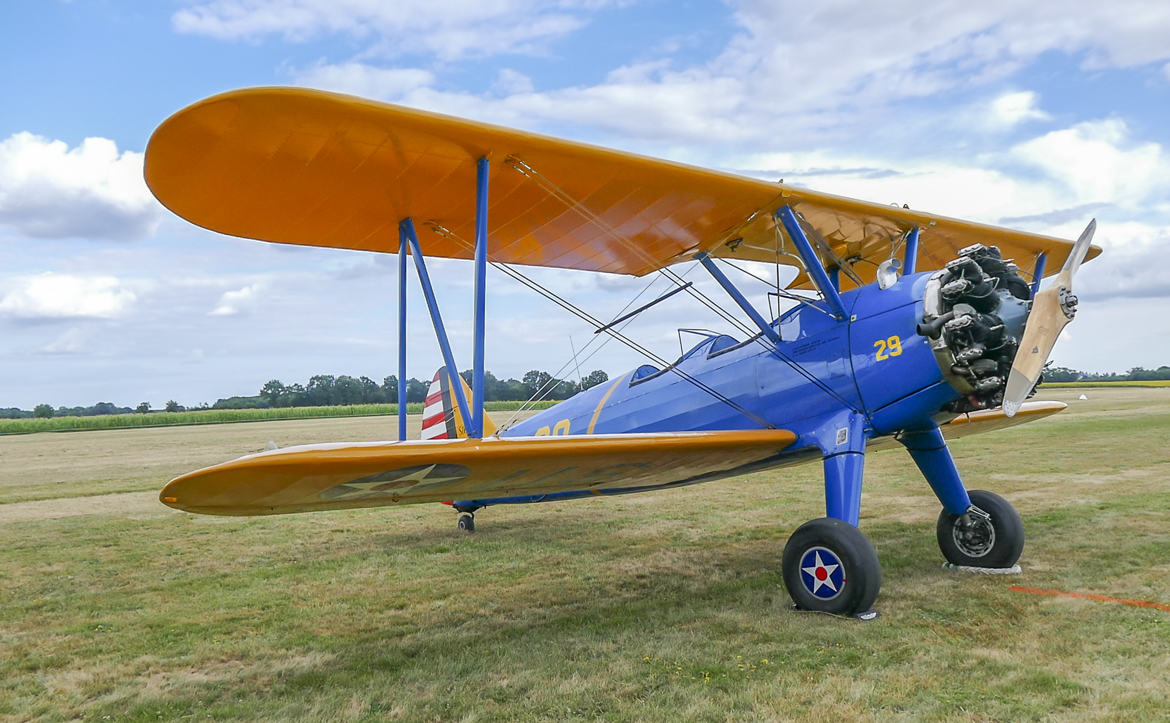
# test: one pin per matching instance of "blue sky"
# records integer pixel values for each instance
(1036, 116)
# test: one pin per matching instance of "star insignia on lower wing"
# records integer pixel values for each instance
(397, 481)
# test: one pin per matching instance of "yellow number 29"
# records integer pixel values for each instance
(887, 348)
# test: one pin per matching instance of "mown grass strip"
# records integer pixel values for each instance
(221, 416)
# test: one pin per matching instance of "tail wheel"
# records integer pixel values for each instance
(830, 566)
(990, 534)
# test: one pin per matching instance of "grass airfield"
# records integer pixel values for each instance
(660, 606)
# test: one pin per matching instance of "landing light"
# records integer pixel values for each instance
(887, 273)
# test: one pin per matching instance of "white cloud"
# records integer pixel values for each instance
(1012, 109)
(511, 82)
(448, 29)
(365, 80)
(48, 190)
(236, 302)
(66, 296)
(1095, 162)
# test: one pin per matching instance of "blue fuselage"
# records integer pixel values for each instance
(876, 363)
(873, 372)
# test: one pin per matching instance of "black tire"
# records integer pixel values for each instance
(846, 585)
(467, 522)
(996, 542)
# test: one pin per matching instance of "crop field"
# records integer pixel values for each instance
(1110, 385)
(663, 606)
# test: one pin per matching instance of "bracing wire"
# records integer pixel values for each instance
(598, 324)
(555, 191)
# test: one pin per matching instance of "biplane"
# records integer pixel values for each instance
(905, 328)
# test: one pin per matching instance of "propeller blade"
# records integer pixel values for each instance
(1052, 310)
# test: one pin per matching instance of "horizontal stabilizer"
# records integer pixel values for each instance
(373, 474)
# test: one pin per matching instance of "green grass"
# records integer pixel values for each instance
(222, 416)
(663, 606)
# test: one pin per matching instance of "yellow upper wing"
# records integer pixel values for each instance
(300, 166)
(373, 474)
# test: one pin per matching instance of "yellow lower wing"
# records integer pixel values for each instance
(989, 420)
(339, 476)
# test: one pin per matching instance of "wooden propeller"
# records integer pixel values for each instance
(1052, 309)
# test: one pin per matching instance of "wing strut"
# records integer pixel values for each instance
(403, 249)
(407, 235)
(812, 264)
(481, 241)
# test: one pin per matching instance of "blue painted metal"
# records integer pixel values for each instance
(403, 246)
(1038, 272)
(877, 397)
(930, 453)
(910, 260)
(888, 314)
(643, 307)
(842, 440)
(406, 228)
(481, 241)
(812, 262)
(843, 474)
(835, 277)
(709, 264)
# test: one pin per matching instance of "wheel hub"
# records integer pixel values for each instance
(822, 572)
(973, 533)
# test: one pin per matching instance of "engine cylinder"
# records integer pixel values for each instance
(975, 312)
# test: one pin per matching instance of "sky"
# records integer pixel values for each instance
(1037, 116)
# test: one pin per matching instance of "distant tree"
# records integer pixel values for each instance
(416, 391)
(43, 411)
(390, 389)
(295, 396)
(371, 393)
(346, 390)
(272, 391)
(594, 378)
(143, 408)
(319, 391)
(173, 406)
(107, 408)
(1061, 374)
(536, 381)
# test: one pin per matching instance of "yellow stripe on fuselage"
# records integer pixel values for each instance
(597, 412)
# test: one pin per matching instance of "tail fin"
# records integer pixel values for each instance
(441, 417)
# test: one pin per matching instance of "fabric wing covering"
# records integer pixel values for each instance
(298, 166)
(374, 474)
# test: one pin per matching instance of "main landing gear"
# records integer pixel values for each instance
(990, 534)
(830, 566)
(467, 521)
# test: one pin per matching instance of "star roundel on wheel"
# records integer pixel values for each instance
(397, 482)
(822, 572)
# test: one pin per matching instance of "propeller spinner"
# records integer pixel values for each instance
(1052, 309)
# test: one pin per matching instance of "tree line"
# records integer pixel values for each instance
(1136, 374)
(323, 390)
(327, 390)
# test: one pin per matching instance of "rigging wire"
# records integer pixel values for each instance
(580, 208)
(596, 323)
(560, 194)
